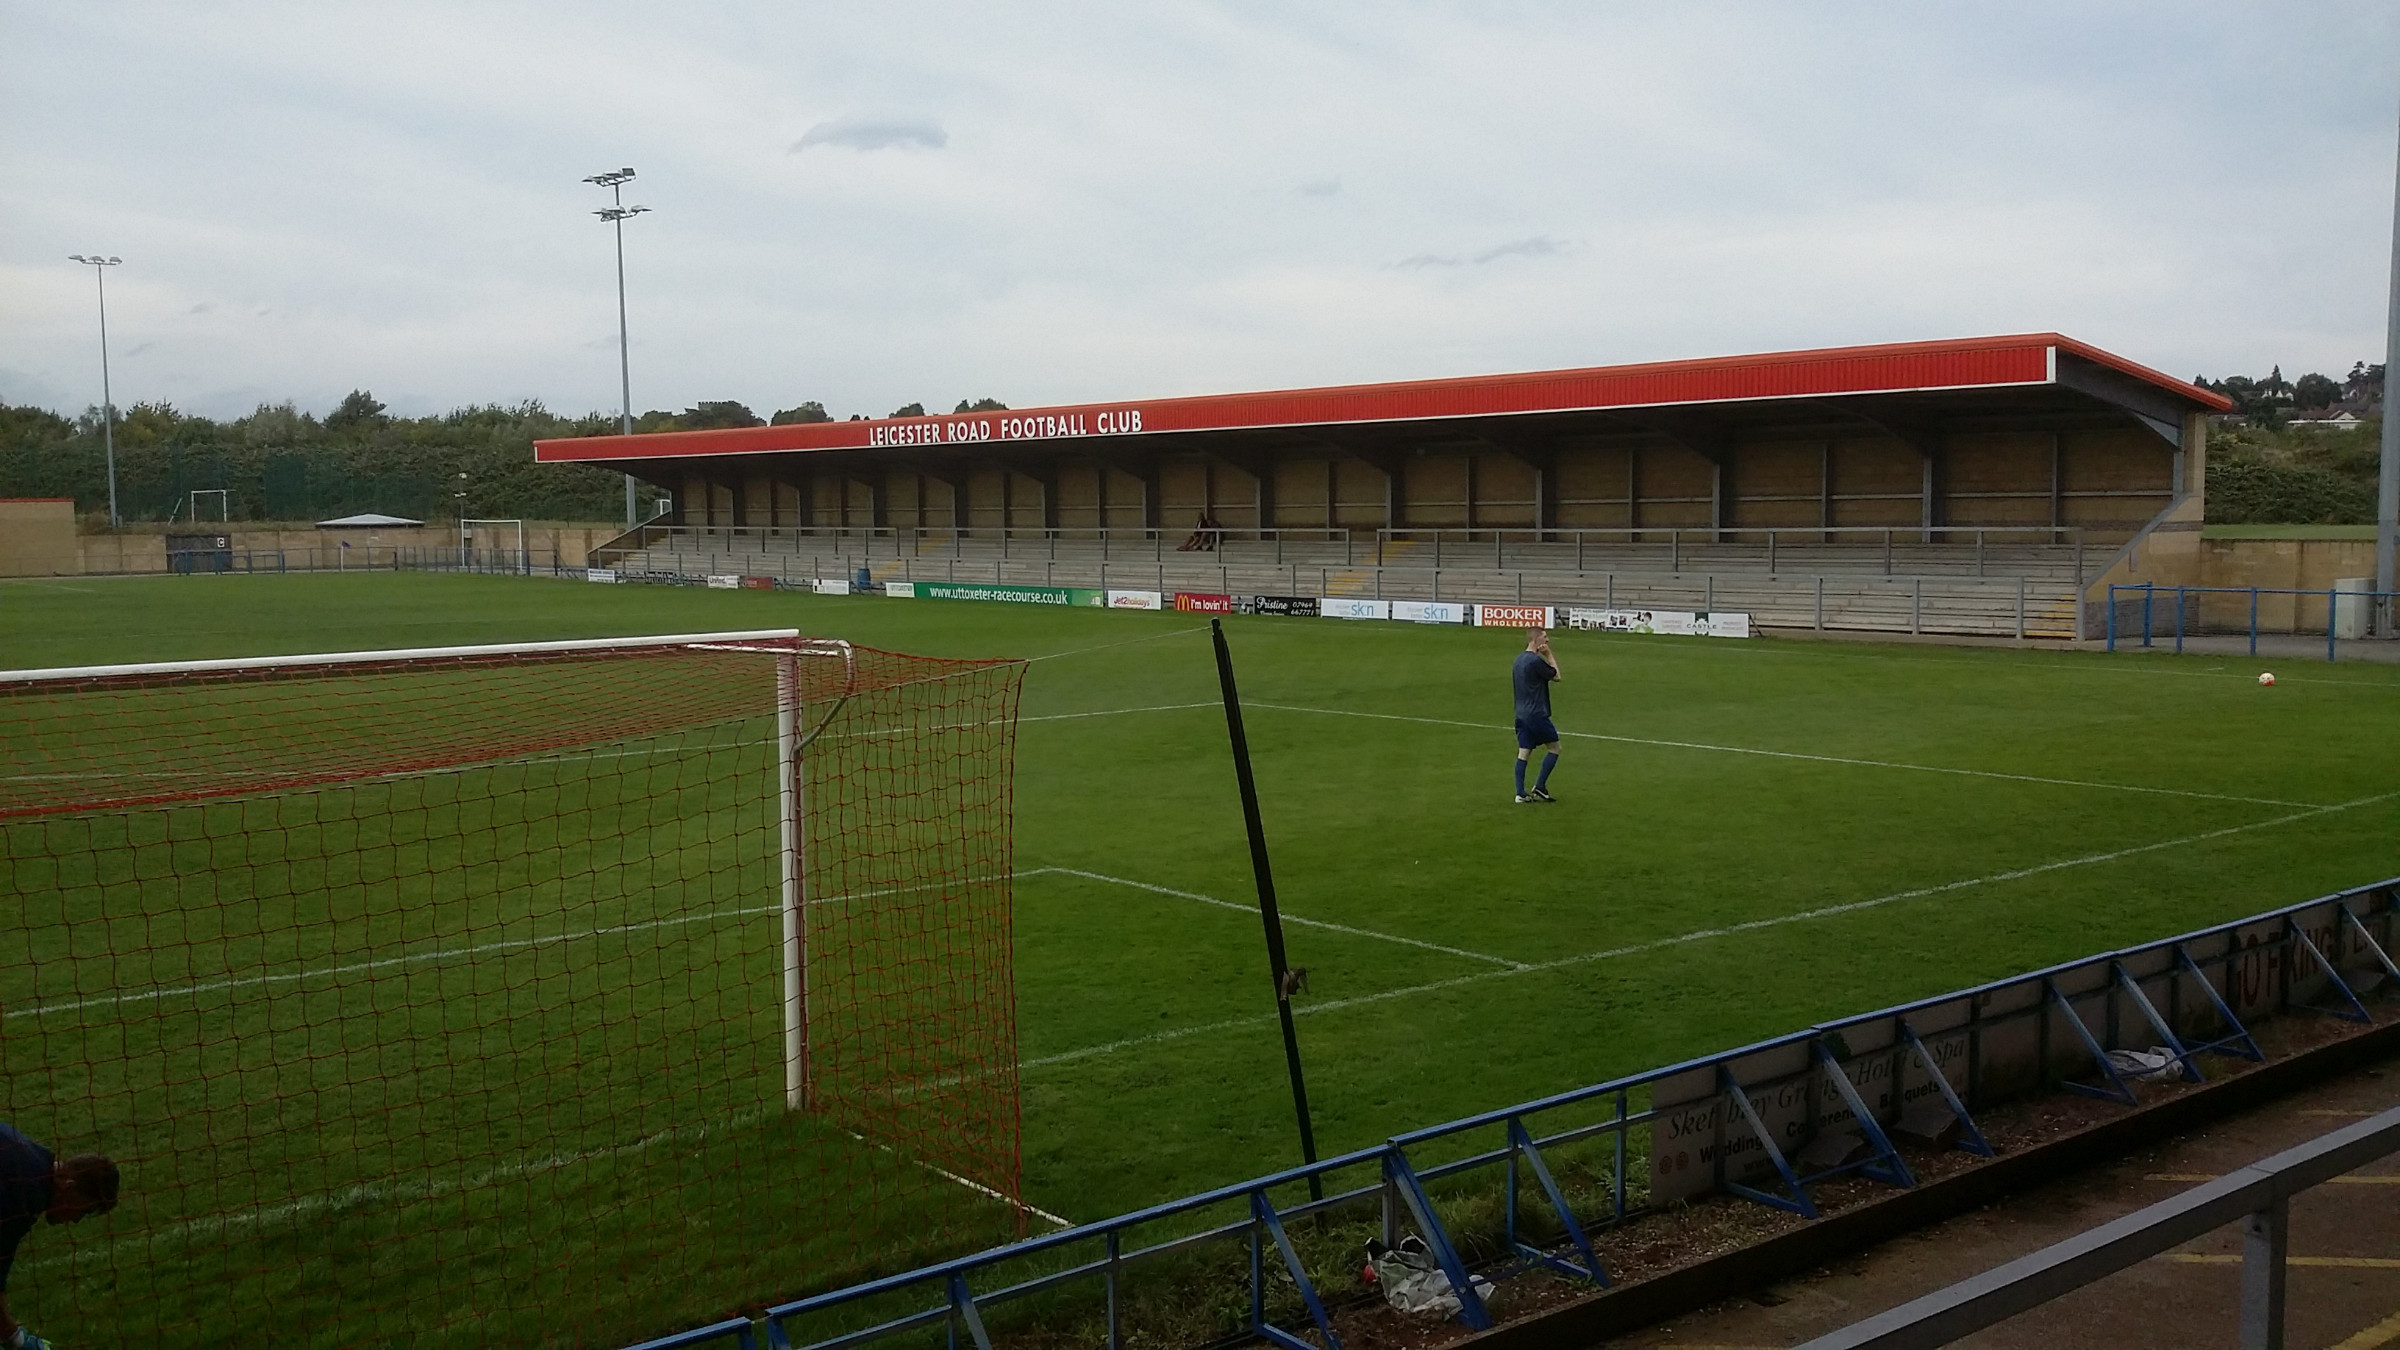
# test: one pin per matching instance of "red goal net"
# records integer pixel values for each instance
(563, 992)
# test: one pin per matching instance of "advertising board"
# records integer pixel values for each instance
(1290, 606)
(1429, 611)
(724, 583)
(1514, 616)
(1201, 602)
(601, 574)
(1020, 595)
(1673, 622)
(1136, 600)
(758, 583)
(900, 590)
(830, 585)
(1348, 607)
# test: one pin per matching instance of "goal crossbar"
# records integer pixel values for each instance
(387, 656)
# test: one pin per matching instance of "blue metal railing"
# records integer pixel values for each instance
(2137, 979)
(2145, 598)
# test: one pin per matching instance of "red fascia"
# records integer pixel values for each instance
(1964, 363)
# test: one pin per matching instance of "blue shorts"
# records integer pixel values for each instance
(1535, 731)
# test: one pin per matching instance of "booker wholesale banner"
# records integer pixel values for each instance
(1672, 622)
(1136, 600)
(830, 585)
(1201, 602)
(607, 574)
(1429, 611)
(1020, 595)
(1345, 607)
(1290, 606)
(1515, 616)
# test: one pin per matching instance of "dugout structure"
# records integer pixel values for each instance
(558, 992)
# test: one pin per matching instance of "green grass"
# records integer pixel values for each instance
(2097, 801)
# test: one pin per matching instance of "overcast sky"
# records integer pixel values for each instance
(875, 204)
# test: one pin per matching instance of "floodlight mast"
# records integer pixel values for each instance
(108, 410)
(2387, 485)
(615, 214)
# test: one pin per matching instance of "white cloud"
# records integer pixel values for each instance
(1181, 197)
(874, 134)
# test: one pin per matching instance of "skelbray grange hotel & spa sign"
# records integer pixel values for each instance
(959, 430)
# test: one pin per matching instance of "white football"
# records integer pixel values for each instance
(2266, 677)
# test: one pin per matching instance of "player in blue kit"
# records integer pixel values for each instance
(33, 1186)
(1536, 668)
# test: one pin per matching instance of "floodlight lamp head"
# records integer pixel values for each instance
(611, 178)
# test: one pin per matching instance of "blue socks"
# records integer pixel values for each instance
(1520, 777)
(1549, 762)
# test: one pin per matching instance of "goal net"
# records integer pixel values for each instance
(560, 992)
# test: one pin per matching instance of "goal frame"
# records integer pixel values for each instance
(792, 739)
(466, 532)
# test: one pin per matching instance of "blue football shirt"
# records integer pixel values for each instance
(24, 1193)
(1532, 677)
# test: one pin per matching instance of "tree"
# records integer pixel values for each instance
(980, 405)
(708, 416)
(908, 410)
(2315, 391)
(359, 413)
(811, 411)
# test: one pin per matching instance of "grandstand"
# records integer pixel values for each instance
(1985, 486)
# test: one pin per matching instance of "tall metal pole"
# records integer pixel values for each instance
(108, 406)
(2387, 487)
(1278, 970)
(624, 358)
(615, 215)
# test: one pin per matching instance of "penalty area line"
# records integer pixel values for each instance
(1288, 917)
(1818, 759)
(1700, 935)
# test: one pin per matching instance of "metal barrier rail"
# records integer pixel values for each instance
(2258, 1196)
(2191, 992)
(2368, 607)
(1364, 546)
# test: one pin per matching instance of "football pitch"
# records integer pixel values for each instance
(1749, 837)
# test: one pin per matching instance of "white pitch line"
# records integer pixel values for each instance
(1820, 759)
(453, 953)
(1114, 712)
(1700, 935)
(1287, 918)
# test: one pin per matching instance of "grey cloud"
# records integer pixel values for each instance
(1425, 260)
(1539, 246)
(874, 134)
(1321, 187)
(202, 308)
(139, 350)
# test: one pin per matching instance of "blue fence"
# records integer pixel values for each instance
(1742, 1123)
(2149, 615)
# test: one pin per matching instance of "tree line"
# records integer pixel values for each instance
(282, 464)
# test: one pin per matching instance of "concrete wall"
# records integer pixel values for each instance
(146, 552)
(37, 537)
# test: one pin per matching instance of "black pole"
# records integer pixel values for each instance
(1273, 918)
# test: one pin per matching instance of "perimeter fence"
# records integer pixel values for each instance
(2150, 615)
(1535, 1183)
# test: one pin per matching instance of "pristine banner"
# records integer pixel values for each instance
(1292, 606)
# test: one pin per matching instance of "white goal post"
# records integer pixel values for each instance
(466, 539)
